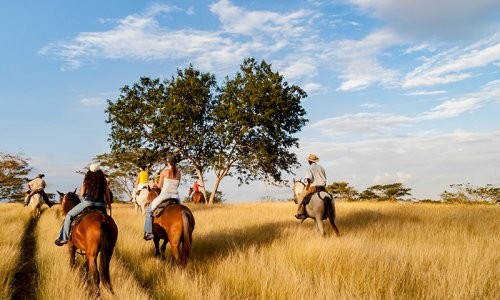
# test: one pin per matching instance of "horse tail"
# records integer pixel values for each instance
(187, 230)
(330, 213)
(109, 235)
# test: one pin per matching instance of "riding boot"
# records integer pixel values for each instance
(46, 199)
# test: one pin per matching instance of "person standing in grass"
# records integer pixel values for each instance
(95, 193)
(316, 182)
(170, 179)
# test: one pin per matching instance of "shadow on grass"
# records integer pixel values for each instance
(220, 244)
(24, 283)
(367, 218)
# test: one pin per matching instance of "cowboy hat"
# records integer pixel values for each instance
(313, 158)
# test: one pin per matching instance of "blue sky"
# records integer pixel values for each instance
(398, 90)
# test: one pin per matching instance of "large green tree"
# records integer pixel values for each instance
(342, 191)
(243, 128)
(13, 171)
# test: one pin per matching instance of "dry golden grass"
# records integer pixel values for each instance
(259, 251)
(13, 221)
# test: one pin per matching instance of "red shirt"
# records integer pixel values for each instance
(196, 187)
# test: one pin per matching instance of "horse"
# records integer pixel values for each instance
(320, 207)
(174, 225)
(96, 235)
(36, 202)
(197, 197)
(141, 200)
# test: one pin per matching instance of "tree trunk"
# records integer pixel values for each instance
(214, 189)
(202, 184)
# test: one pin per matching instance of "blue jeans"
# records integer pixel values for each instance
(148, 225)
(63, 235)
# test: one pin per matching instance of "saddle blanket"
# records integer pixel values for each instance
(159, 209)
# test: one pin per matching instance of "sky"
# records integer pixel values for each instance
(398, 90)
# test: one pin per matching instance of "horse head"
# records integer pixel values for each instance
(68, 201)
(298, 187)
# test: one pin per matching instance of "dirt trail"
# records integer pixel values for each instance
(24, 284)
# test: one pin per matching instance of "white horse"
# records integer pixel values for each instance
(320, 207)
(141, 200)
(36, 202)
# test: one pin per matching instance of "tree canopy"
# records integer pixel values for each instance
(13, 171)
(244, 128)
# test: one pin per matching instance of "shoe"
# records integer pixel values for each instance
(301, 216)
(148, 236)
(60, 242)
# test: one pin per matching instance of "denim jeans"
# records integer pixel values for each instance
(63, 235)
(148, 225)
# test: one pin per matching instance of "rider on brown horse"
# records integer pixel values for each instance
(95, 192)
(169, 183)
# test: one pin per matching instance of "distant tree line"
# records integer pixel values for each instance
(14, 169)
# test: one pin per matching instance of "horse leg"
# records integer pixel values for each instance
(175, 245)
(319, 225)
(93, 272)
(164, 246)
(72, 252)
(157, 246)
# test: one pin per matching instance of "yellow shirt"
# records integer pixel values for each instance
(143, 177)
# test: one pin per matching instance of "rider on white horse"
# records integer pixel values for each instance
(316, 181)
(141, 182)
(37, 186)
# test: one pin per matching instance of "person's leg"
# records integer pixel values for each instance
(46, 199)
(148, 224)
(63, 235)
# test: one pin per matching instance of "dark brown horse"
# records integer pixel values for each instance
(175, 225)
(95, 234)
(197, 197)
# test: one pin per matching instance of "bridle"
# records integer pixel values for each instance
(294, 194)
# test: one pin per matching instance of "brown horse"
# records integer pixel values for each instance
(175, 225)
(197, 197)
(96, 234)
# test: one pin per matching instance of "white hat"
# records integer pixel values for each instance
(94, 167)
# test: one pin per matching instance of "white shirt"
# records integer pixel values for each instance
(316, 174)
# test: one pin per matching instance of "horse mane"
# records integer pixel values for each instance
(69, 201)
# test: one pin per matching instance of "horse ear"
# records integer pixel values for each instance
(74, 192)
(60, 194)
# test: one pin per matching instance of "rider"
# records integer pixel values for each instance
(169, 183)
(36, 186)
(141, 181)
(196, 188)
(316, 181)
(95, 193)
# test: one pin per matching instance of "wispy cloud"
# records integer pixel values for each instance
(357, 63)
(377, 124)
(453, 65)
(425, 93)
(141, 37)
(93, 101)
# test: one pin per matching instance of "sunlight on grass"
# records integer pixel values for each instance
(14, 219)
(260, 251)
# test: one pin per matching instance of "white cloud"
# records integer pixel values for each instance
(141, 37)
(93, 101)
(451, 65)
(371, 105)
(425, 93)
(357, 62)
(426, 162)
(373, 124)
(430, 17)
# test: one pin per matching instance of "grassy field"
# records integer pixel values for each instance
(259, 251)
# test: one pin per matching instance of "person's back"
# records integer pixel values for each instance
(37, 184)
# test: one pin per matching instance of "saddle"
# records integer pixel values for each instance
(161, 207)
(78, 218)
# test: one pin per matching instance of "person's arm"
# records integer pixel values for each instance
(162, 177)
(308, 185)
(137, 179)
(107, 196)
(82, 190)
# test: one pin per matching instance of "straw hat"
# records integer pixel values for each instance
(313, 158)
